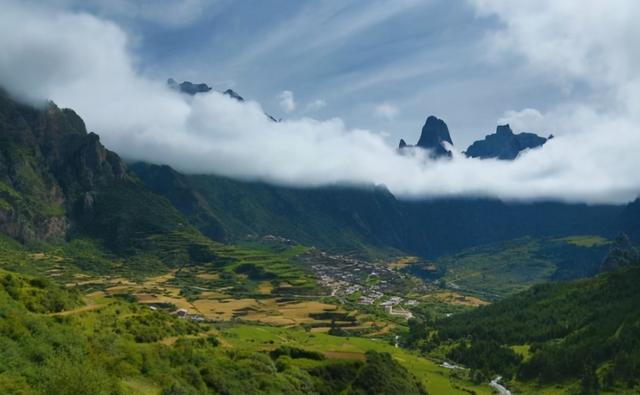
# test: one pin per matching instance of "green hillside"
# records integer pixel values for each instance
(500, 269)
(366, 220)
(117, 347)
(587, 332)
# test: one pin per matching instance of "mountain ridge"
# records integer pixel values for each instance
(504, 144)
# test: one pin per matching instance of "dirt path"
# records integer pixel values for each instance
(90, 305)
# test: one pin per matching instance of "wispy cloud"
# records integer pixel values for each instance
(287, 101)
(324, 24)
(316, 105)
(386, 111)
(171, 13)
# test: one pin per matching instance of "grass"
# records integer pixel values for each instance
(522, 350)
(586, 241)
(437, 379)
(137, 385)
(456, 299)
(245, 302)
(403, 262)
(501, 269)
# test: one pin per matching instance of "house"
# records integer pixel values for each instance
(365, 300)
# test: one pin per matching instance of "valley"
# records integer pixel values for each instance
(134, 278)
(273, 292)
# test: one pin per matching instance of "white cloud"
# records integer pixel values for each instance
(287, 101)
(82, 62)
(528, 119)
(386, 111)
(316, 105)
(174, 13)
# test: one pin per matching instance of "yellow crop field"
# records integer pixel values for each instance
(457, 299)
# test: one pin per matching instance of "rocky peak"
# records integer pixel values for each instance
(504, 130)
(63, 162)
(504, 144)
(188, 87)
(233, 94)
(435, 134)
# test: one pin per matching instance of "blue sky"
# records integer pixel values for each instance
(379, 65)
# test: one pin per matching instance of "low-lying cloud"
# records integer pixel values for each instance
(82, 62)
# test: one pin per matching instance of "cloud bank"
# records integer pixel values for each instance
(83, 62)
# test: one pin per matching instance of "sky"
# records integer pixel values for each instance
(349, 79)
(378, 65)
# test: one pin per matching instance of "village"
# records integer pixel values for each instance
(368, 283)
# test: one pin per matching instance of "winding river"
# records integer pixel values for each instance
(495, 384)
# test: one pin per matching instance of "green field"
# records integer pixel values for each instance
(437, 380)
(497, 270)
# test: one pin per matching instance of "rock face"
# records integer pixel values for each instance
(622, 253)
(48, 163)
(504, 144)
(233, 94)
(192, 89)
(435, 134)
(188, 87)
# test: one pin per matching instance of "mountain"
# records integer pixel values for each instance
(434, 137)
(58, 180)
(504, 144)
(234, 95)
(586, 331)
(192, 89)
(59, 183)
(50, 170)
(336, 218)
(188, 87)
(362, 220)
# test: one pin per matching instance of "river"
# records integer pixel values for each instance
(502, 390)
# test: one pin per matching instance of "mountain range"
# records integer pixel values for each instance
(57, 180)
(503, 144)
(64, 193)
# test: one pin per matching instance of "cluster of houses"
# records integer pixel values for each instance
(277, 239)
(346, 276)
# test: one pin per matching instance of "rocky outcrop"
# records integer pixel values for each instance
(188, 87)
(504, 144)
(234, 95)
(48, 162)
(434, 138)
